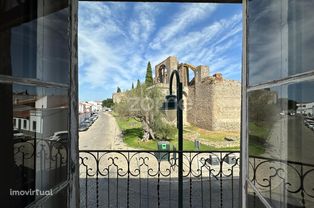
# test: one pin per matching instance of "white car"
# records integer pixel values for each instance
(311, 125)
(18, 135)
(59, 136)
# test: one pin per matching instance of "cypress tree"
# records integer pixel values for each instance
(149, 75)
(118, 89)
(132, 86)
(138, 83)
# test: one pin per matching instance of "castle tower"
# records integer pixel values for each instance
(200, 73)
(164, 69)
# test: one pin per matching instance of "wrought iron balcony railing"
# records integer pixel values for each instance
(281, 182)
(149, 178)
(136, 178)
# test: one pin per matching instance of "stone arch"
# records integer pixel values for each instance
(191, 79)
(184, 74)
(185, 105)
(186, 77)
(164, 69)
(162, 74)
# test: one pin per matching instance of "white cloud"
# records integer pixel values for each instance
(187, 17)
(104, 61)
(207, 46)
(142, 24)
(114, 41)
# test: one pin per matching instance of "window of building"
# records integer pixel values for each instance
(34, 125)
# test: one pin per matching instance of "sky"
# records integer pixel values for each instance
(117, 39)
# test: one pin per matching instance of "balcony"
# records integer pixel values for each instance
(136, 178)
(150, 178)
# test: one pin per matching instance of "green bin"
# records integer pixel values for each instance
(163, 146)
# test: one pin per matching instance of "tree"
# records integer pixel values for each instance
(264, 109)
(138, 84)
(143, 104)
(132, 86)
(107, 103)
(149, 75)
(118, 89)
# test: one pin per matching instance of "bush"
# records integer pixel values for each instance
(163, 130)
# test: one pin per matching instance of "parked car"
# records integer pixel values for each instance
(94, 117)
(87, 122)
(291, 113)
(91, 120)
(83, 127)
(59, 139)
(59, 136)
(18, 136)
(309, 123)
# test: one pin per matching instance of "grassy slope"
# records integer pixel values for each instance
(212, 135)
(132, 133)
(257, 139)
(216, 138)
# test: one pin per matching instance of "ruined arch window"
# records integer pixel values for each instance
(191, 76)
(162, 74)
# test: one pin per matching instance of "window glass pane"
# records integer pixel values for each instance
(253, 200)
(36, 47)
(281, 141)
(40, 149)
(280, 39)
(57, 200)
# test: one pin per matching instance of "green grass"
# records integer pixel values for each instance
(258, 131)
(127, 123)
(210, 135)
(256, 150)
(132, 132)
(257, 139)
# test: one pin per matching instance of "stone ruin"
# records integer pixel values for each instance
(210, 102)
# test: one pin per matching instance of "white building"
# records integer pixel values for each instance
(305, 109)
(49, 115)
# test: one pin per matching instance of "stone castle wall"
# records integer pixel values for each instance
(215, 105)
(118, 97)
(211, 103)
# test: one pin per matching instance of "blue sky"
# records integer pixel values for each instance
(116, 40)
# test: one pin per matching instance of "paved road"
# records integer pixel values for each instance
(291, 139)
(101, 135)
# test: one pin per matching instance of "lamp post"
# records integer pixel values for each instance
(176, 102)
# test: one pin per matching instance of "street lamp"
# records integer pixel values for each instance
(176, 102)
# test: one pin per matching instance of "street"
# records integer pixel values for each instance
(290, 139)
(101, 135)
